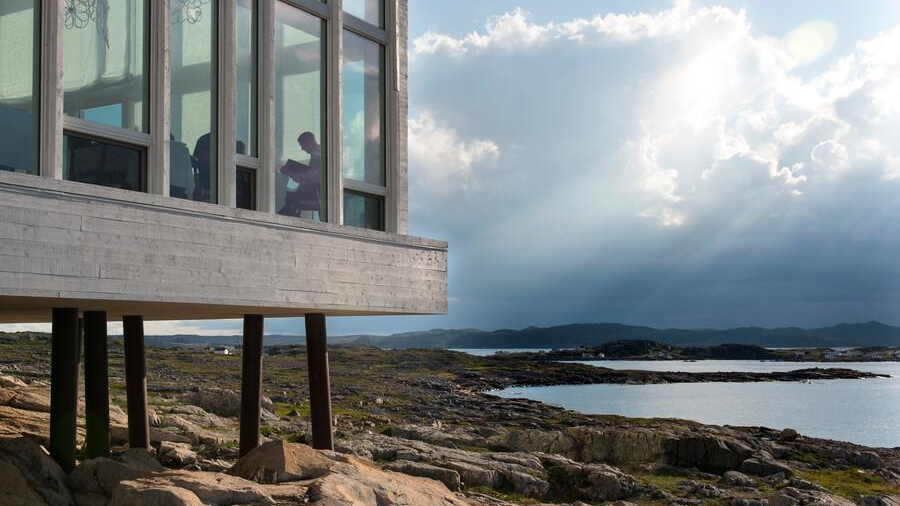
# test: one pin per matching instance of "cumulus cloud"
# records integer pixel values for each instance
(654, 158)
(440, 160)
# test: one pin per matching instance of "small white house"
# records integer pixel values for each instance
(222, 350)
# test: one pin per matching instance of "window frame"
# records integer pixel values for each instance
(53, 122)
(125, 137)
(386, 38)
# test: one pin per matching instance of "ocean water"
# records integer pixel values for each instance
(866, 412)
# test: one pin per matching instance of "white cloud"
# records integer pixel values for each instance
(442, 162)
(712, 97)
(658, 157)
(515, 31)
(831, 156)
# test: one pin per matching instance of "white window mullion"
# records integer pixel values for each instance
(227, 77)
(51, 94)
(335, 111)
(266, 109)
(391, 121)
(158, 154)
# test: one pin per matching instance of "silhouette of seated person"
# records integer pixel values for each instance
(308, 176)
(181, 173)
(202, 160)
(190, 174)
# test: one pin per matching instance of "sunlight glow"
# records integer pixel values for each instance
(810, 41)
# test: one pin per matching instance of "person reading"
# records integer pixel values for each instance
(308, 177)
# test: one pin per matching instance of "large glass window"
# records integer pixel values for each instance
(19, 43)
(300, 187)
(193, 121)
(367, 10)
(103, 163)
(245, 86)
(105, 62)
(363, 110)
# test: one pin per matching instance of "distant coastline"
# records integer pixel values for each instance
(846, 335)
(642, 350)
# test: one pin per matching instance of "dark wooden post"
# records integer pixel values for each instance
(251, 383)
(319, 381)
(136, 382)
(64, 386)
(96, 384)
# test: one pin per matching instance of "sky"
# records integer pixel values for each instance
(668, 163)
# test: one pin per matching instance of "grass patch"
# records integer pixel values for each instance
(510, 497)
(281, 409)
(851, 483)
(810, 457)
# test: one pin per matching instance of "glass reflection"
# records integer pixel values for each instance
(245, 86)
(102, 163)
(363, 211)
(193, 102)
(299, 126)
(367, 10)
(19, 40)
(104, 62)
(363, 118)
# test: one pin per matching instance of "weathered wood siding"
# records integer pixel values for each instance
(65, 243)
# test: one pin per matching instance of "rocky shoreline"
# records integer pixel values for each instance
(579, 374)
(417, 428)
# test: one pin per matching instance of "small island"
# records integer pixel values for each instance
(644, 349)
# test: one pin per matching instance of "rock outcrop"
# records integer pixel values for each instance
(28, 476)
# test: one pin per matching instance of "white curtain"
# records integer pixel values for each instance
(105, 52)
(16, 52)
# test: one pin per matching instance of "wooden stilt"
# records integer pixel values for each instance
(251, 383)
(319, 382)
(136, 382)
(96, 384)
(64, 386)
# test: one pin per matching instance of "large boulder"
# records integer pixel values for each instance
(220, 401)
(118, 435)
(586, 444)
(31, 399)
(738, 479)
(448, 477)
(354, 482)
(15, 422)
(790, 496)
(7, 381)
(866, 460)
(763, 466)
(30, 476)
(180, 454)
(278, 462)
(709, 453)
(101, 476)
(592, 482)
(136, 493)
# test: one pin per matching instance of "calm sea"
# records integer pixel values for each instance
(866, 412)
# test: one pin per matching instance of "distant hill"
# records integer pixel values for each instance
(587, 334)
(595, 334)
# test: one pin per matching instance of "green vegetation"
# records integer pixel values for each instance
(502, 495)
(850, 483)
(810, 457)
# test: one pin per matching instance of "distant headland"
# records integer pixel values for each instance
(845, 335)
